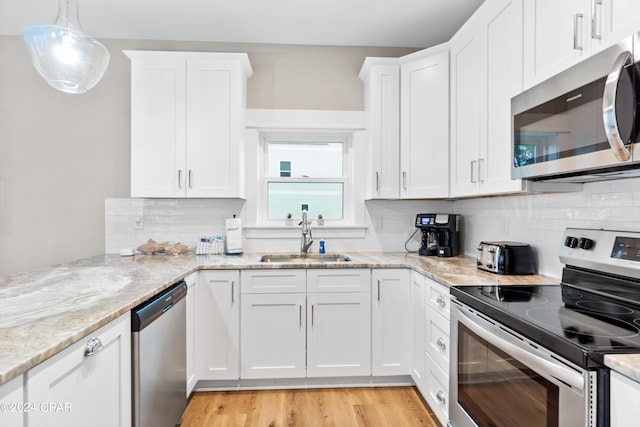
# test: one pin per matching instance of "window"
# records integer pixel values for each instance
(306, 168)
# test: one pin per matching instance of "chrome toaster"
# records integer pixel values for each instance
(506, 258)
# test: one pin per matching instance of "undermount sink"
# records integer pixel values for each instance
(309, 258)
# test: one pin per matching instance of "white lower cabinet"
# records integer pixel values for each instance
(305, 323)
(437, 390)
(273, 336)
(273, 324)
(625, 400)
(437, 343)
(77, 387)
(192, 376)
(391, 321)
(338, 334)
(217, 325)
(12, 399)
(418, 321)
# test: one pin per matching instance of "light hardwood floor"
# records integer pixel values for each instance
(343, 407)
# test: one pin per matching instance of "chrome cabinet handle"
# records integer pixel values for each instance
(189, 179)
(377, 181)
(473, 163)
(378, 290)
(576, 31)
(180, 179)
(404, 180)
(609, 119)
(441, 301)
(441, 398)
(300, 314)
(596, 18)
(92, 346)
(233, 285)
(440, 343)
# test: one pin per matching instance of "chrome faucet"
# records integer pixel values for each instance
(306, 241)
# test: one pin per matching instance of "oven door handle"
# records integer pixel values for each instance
(535, 362)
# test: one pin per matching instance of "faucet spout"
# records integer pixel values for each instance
(306, 240)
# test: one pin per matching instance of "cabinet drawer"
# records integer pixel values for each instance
(437, 339)
(272, 281)
(342, 280)
(437, 395)
(438, 298)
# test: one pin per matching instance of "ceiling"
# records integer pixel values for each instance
(400, 23)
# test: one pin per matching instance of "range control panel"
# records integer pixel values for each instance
(616, 252)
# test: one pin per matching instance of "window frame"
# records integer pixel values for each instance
(301, 136)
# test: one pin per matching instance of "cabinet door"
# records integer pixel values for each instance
(273, 336)
(503, 80)
(217, 325)
(466, 48)
(339, 334)
(437, 393)
(625, 400)
(614, 20)
(157, 126)
(76, 388)
(192, 377)
(418, 312)
(381, 78)
(391, 314)
(215, 100)
(11, 397)
(557, 35)
(424, 121)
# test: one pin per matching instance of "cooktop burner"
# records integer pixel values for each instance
(577, 324)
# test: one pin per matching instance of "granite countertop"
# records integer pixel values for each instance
(48, 309)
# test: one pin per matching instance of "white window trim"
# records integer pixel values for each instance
(303, 136)
(263, 122)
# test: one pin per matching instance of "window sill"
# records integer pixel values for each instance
(293, 231)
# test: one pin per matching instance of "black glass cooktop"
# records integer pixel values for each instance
(579, 325)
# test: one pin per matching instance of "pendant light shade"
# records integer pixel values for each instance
(68, 59)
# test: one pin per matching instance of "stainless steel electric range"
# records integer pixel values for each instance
(534, 355)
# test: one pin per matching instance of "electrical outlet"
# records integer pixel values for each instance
(138, 220)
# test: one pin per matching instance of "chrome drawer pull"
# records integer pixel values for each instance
(93, 346)
(441, 343)
(441, 398)
(441, 301)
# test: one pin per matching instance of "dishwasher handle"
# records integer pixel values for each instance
(156, 306)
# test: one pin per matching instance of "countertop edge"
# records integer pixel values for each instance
(441, 270)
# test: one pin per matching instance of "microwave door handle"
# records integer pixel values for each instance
(609, 120)
(561, 372)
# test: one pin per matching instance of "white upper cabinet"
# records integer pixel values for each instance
(486, 71)
(559, 34)
(381, 77)
(188, 123)
(424, 124)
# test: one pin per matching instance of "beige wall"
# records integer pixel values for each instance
(61, 155)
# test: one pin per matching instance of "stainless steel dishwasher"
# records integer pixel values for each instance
(159, 359)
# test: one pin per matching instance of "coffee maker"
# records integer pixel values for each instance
(440, 234)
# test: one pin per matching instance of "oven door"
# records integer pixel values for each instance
(500, 379)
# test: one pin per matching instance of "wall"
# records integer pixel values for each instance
(61, 155)
(541, 219)
(538, 219)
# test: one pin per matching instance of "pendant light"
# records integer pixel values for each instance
(67, 58)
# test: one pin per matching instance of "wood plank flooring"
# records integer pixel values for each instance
(342, 407)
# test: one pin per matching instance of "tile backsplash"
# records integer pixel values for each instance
(538, 219)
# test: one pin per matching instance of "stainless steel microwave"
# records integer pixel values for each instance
(582, 124)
